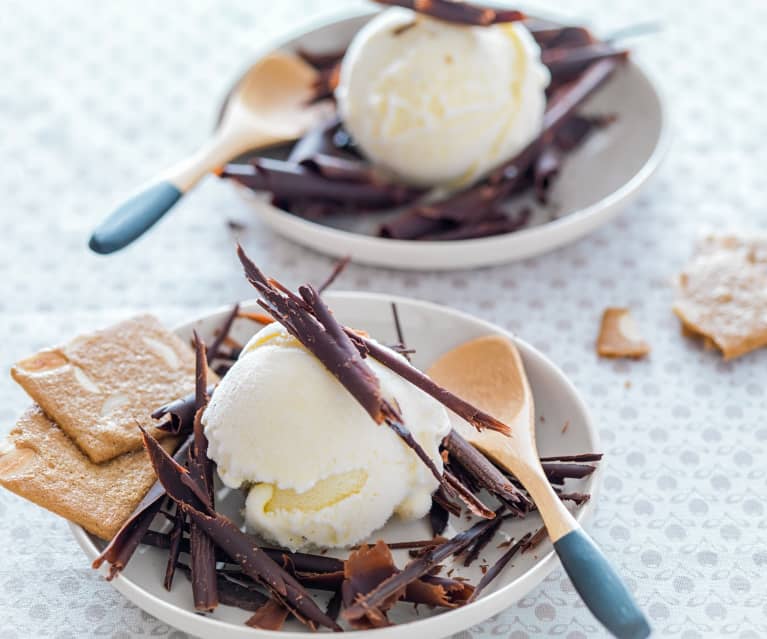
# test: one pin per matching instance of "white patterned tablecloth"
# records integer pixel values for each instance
(95, 97)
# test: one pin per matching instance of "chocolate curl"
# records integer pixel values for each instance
(564, 63)
(486, 474)
(476, 417)
(473, 503)
(458, 12)
(342, 169)
(180, 413)
(334, 605)
(545, 170)
(122, 546)
(498, 566)
(254, 562)
(369, 604)
(289, 181)
(580, 458)
(438, 517)
(339, 268)
(435, 591)
(550, 36)
(222, 333)
(311, 322)
(476, 547)
(202, 550)
(365, 570)
(258, 318)
(174, 548)
(557, 472)
(234, 592)
(497, 225)
(538, 536)
(270, 616)
(321, 60)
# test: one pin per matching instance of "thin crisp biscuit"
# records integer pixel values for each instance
(722, 294)
(98, 387)
(619, 335)
(39, 462)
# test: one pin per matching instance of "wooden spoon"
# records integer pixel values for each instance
(488, 372)
(269, 105)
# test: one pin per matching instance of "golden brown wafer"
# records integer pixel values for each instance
(99, 386)
(619, 335)
(39, 462)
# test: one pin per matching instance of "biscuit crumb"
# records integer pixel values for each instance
(619, 335)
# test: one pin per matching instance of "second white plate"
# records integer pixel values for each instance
(596, 181)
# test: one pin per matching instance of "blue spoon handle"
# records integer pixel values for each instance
(600, 587)
(129, 221)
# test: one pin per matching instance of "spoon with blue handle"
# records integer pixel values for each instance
(488, 372)
(270, 104)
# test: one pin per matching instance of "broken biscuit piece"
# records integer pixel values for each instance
(722, 293)
(39, 462)
(619, 335)
(100, 386)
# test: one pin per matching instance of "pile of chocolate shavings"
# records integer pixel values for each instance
(325, 176)
(228, 566)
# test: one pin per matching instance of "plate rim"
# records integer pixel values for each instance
(437, 625)
(441, 254)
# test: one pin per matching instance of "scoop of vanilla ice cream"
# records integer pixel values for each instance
(320, 471)
(441, 104)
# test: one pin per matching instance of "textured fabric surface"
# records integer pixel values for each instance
(96, 97)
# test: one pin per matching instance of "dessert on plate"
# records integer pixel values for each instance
(329, 435)
(445, 113)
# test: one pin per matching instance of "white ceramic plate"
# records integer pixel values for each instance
(432, 330)
(596, 182)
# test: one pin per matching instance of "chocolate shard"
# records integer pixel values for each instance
(254, 562)
(550, 36)
(269, 616)
(122, 546)
(340, 267)
(370, 602)
(458, 12)
(174, 548)
(537, 537)
(582, 457)
(478, 545)
(180, 413)
(557, 472)
(485, 473)
(365, 570)
(498, 566)
(222, 333)
(288, 181)
(234, 592)
(442, 592)
(474, 504)
(322, 60)
(564, 63)
(576, 129)
(438, 517)
(333, 608)
(342, 169)
(498, 224)
(476, 417)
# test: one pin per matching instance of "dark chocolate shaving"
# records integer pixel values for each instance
(289, 181)
(458, 12)
(476, 417)
(473, 502)
(369, 603)
(549, 36)
(340, 267)
(538, 536)
(365, 570)
(122, 546)
(438, 517)
(174, 548)
(478, 545)
(496, 225)
(258, 318)
(234, 592)
(333, 608)
(269, 616)
(485, 473)
(254, 562)
(180, 413)
(565, 63)
(498, 566)
(434, 591)
(222, 333)
(202, 550)
(545, 170)
(583, 457)
(316, 141)
(557, 472)
(323, 60)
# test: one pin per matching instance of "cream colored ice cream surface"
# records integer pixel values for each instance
(440, 104)
(319, 471)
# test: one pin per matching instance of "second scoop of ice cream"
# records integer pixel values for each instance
(320, 471)
(441, 104)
